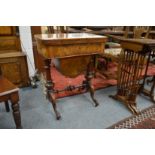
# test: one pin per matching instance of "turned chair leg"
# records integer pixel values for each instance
(7, 106)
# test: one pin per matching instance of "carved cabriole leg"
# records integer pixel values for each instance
(89, 76)
(16, 111)
(7, 106)
(50, 87)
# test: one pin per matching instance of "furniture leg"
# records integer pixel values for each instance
(50, 87)
(16, 115)
(89, 76)
(7, 106)
(145, 75)
(53, 101)
(152, 91)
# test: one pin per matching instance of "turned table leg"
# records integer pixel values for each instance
(16, 115)
(15, 109)
(50, 87)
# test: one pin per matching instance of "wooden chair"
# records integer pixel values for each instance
(9, 92)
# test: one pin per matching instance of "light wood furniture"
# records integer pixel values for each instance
(13, 62)
(134, 57)
(9, 92)
(74, 54)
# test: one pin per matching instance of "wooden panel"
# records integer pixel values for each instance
(9, 43)
(71, 50)
(9, 68)
(14, 68)
(7, 30)
(132, 46)
(75, 66)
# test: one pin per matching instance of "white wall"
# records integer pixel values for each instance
(26, 43)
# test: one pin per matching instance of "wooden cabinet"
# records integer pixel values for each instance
(13, 62)
(14, 67)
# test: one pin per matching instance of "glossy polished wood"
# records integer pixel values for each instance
(8, 91)
(73, 55)
(61, 45)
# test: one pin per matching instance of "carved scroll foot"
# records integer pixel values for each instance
(53, 101)
(130, 105)
(16, 115)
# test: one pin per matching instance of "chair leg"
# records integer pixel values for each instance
(7, 106)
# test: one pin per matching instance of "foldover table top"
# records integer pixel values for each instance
(66, 38)
(62, 45)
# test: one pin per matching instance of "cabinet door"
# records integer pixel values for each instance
(12, 71)
(15, 69)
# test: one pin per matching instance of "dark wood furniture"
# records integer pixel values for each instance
(74, 54)
(134, 56)
(9, 92)
(13, 62)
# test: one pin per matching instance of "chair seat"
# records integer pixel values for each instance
(112, 45)
(113, 51)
